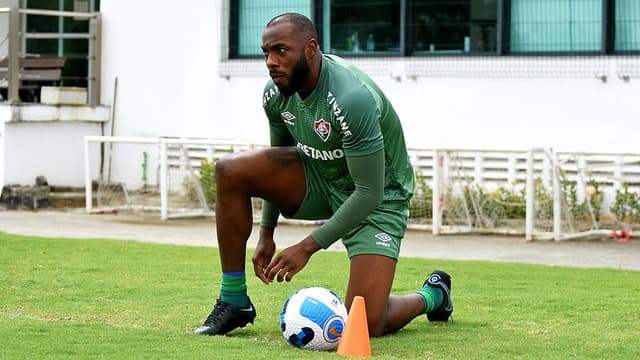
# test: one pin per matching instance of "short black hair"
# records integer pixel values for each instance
(302, 23)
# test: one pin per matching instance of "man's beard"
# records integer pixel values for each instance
(299, 75)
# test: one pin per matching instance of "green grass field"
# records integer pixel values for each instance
(62, 298)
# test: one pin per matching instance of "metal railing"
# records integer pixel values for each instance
(93, 36)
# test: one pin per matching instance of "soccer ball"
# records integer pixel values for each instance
(313, 318)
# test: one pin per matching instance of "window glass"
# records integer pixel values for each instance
(627, 31)
(375, 27)
(42, 23)
(452, 26)
(74, 50)
(556, 25)
(253, 16)
(365, 27)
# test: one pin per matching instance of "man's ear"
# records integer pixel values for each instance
(312, 48)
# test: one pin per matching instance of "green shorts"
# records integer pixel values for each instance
(380, 233)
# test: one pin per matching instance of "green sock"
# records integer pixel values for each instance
(233, 289)
(433, 297)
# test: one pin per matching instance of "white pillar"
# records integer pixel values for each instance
(530, 198)
(437, 188)
(88, 190)
(164, 190)
(557, 197)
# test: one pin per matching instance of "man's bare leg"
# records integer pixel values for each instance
(371, 276)
(275, 174)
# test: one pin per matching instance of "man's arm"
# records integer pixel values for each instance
(265, 248)
(367, 173)
(279, 136)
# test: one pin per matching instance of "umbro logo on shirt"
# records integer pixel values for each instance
(288, 118)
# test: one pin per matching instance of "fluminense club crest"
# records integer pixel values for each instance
(323, 129)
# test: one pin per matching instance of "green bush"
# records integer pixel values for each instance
(543, 200)
(580, 209)
(208, 180)
(504, 203)
(421, 205)
(626, 206)
(595, 197)
(487, 207)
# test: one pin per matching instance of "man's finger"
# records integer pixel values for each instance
(281, 275)
(290, 275)
(271, 271)
(264, 279)
(259, 270)
(259, 273)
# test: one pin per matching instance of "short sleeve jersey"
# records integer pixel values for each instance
(345, 115)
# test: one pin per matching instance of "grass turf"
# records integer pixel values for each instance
(63, 298)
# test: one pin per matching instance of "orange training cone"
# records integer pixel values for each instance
(355, 337)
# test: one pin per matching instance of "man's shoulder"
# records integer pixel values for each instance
(344, 74)
(270, 91)
(347, 84)
(340, 67)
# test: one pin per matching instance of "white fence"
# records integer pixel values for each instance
(169, 165)
(563, 195)
(569, 179)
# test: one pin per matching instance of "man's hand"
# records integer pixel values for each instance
(263, 254)
(291, 260)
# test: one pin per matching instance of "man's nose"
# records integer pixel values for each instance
(272, 61)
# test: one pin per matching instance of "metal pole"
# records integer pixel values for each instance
(61, 29)
(403, 26)
(14, 52)
(95, 44)
(23, 26)
(46, 35)
(58, 13)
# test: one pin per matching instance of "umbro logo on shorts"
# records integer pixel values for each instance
(383, 239)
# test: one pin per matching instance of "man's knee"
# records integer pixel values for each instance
(248, 167)
(228, 169)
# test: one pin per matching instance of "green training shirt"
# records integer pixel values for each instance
(346, 115)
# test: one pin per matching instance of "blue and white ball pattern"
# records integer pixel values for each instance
(313, 318)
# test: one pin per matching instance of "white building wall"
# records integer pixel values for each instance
(565, 114)
(166, 58)
(172, 82)
(54, 150)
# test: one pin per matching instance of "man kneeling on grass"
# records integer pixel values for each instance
(338, 153)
